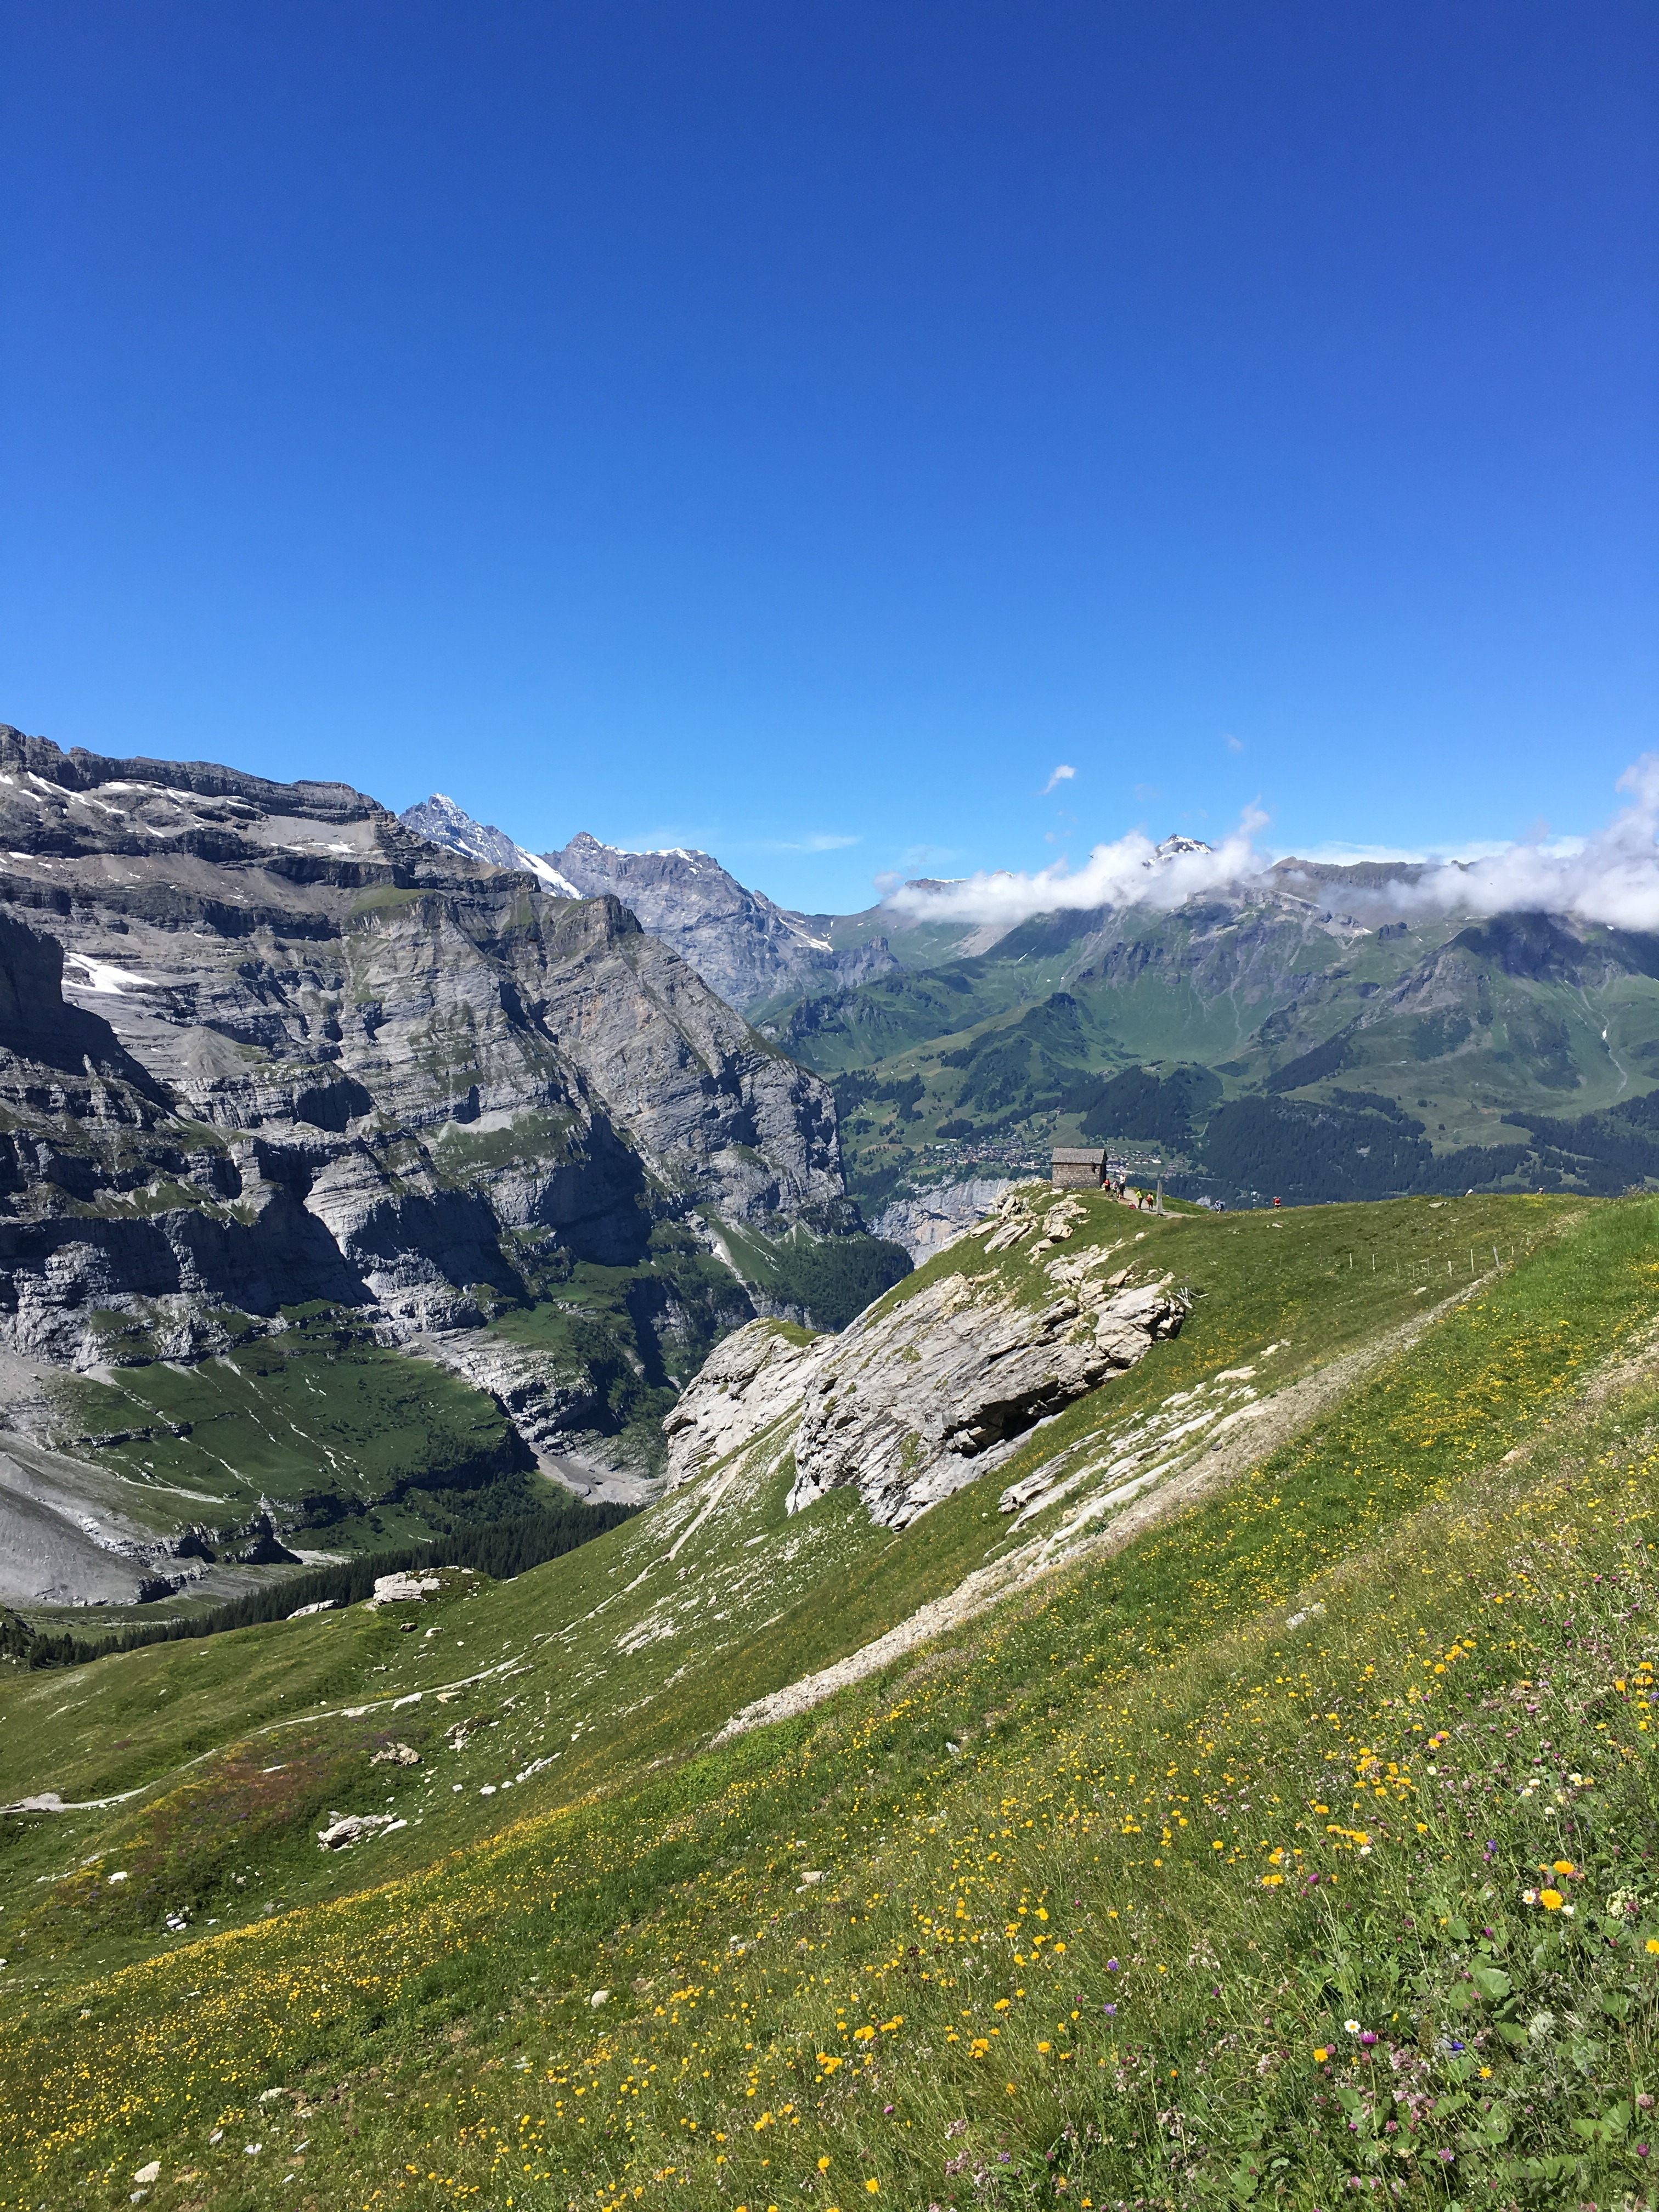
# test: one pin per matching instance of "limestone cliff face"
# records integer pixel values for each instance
(259, 1043)
(924, 1221)
(929, 1387)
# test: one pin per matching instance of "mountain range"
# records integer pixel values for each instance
(281, 1080)
(1311, 1035)
(360, 1173)
(756, 954)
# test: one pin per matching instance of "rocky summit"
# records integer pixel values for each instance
(440, 822)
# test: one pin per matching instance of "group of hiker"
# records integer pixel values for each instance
(1129, 1194)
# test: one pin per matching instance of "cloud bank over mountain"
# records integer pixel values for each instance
(1610, 877)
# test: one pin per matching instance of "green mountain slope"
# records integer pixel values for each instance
(1068, 1902)
(1475, 1033)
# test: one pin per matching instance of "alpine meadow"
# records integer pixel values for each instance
(1274, 1824)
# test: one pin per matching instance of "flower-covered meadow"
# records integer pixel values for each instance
(1307, 1850)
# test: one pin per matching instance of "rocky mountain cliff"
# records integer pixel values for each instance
(749, 949)
(430, 1076)
(924, 1222)
(263, 1048)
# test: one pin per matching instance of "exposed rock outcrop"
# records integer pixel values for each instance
(924, 1392)
(345, 1829)
(937, 1386)
(757, 1376)
(401, 1589)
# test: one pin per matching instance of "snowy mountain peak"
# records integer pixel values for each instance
(748, 948)
(1173, 847)
(440, 822)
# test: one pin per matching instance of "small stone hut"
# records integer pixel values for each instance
(1075, 1170)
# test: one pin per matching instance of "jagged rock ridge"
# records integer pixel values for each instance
(440, 822)
(743, 946)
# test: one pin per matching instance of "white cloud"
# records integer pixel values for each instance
(1061, 774)
(1127, 873)
(1612, 877)
(1233, 745)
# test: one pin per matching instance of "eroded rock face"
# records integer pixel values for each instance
(260, 1044)
(757, 1376)
(917, 1401)
(919, 1397)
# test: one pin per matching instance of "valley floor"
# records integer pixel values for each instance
(1295, 1841)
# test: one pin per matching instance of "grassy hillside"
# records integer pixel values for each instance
(1072, 1905)
(356, 1438)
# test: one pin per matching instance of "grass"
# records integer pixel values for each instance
(1101, 1875)
(318, 1411)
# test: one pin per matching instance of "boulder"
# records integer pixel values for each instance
(402, 1589)
(345, 1828)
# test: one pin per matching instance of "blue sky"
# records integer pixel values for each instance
(798, 429)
